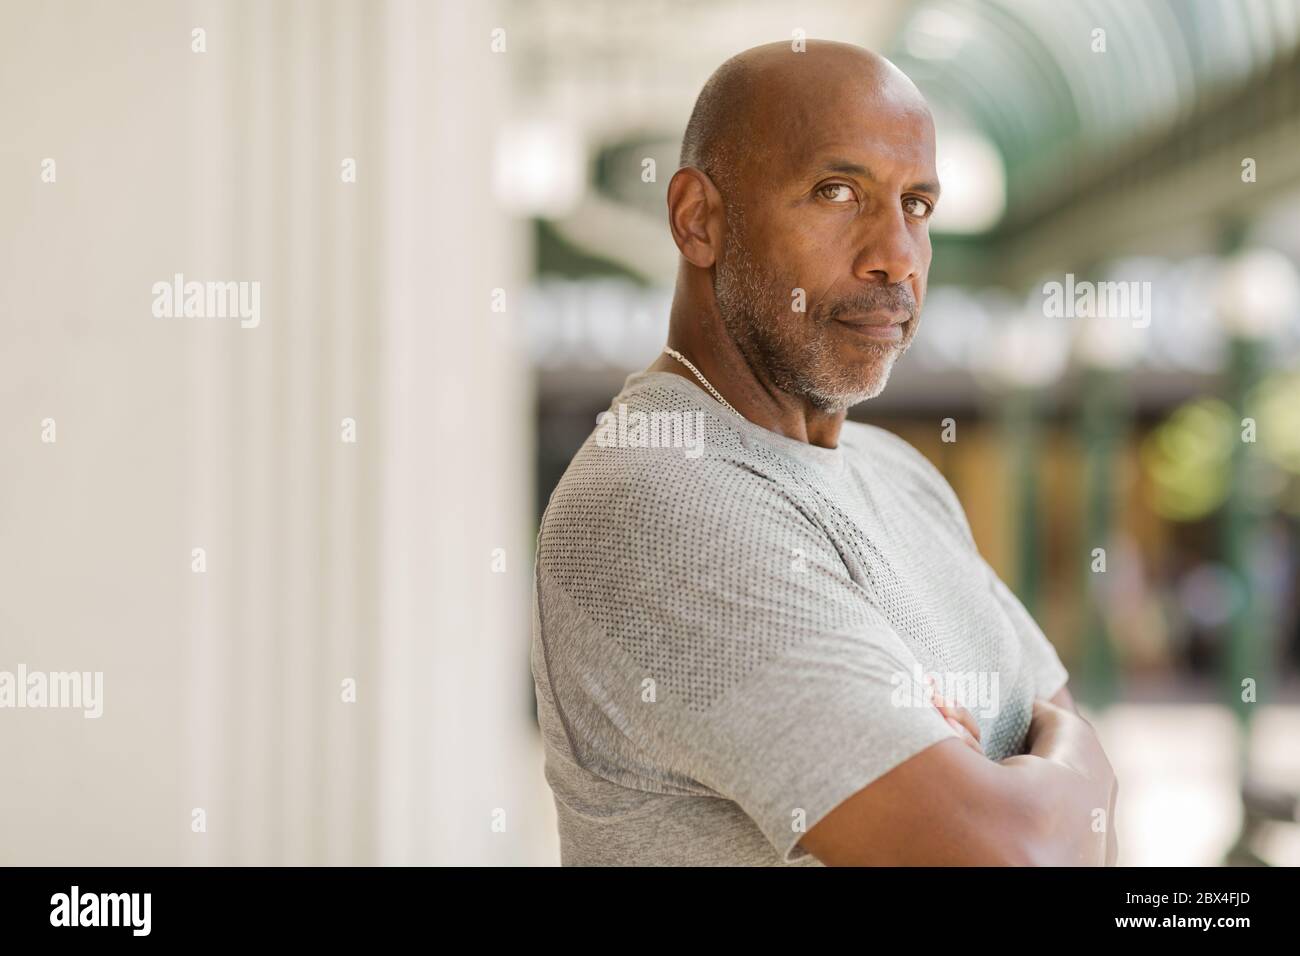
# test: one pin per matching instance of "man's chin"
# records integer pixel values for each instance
(843, 399)
(842, 402)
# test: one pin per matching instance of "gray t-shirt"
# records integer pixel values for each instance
(731, 630)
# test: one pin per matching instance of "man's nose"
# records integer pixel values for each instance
(888, 252)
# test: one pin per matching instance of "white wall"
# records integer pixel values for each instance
(325, 560)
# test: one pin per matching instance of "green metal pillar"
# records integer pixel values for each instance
(1241, 516)
(1103, 424)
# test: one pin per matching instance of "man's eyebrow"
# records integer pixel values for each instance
(846, 167)
(857, 169)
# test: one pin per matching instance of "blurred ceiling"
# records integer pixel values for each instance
(614, 67)
(1057, 85)
(1086, 105)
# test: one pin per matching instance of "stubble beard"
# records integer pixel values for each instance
(796, 351)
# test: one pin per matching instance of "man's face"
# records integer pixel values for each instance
(840, 211)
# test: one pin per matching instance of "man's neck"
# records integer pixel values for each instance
(747, 389)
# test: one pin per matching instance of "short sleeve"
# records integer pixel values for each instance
(707, 638)
(1049, 674)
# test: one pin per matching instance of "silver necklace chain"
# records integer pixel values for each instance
(703, 381)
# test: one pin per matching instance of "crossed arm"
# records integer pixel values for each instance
(1063, 699)
(950, 805)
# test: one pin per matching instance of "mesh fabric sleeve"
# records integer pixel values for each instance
(1049, 674)
(702, 635)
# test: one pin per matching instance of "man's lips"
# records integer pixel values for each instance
(882, 326)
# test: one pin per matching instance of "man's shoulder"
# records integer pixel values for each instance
(620, 480)
(905, 463)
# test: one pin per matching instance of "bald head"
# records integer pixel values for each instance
(802, 210)
(771, 92)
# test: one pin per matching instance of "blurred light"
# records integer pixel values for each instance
(956, 322)
(1186, 459)
(1105, 343)
(973, 180)
(540, 168)
(936, 34)
(1178, 762)
(595, 322)
(1210, 595)
(1025, 351)
(1258, 293)
(1277, 410)
(1185, 331)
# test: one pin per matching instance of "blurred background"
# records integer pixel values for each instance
(455, 214)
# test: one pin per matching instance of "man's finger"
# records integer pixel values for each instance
(962, 715)
(966, 737)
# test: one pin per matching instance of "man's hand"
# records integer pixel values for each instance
(960, 719)
(1051, 721)
(1069, 740)
(1062, 698)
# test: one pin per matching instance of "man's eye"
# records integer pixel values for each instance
(836, 193)
(916, 207)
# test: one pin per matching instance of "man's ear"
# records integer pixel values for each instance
(696, 216)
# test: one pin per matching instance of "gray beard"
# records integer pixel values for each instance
(797, 357)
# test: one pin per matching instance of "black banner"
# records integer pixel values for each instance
(336, 905)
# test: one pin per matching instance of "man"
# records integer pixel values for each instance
(739, 595)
